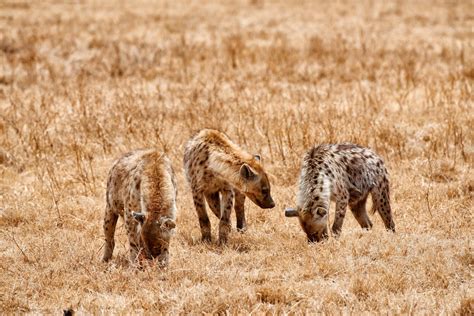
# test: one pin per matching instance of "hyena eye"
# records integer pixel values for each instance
(265, 191)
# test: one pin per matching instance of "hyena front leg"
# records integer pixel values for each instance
(240, 211)
(204, 222)
(341, 206)
(214, 202)
(360, 213)
(224, 224)
(131, 226)
(110, 221)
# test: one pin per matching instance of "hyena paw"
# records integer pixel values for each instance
(242, 228)
(206, 238)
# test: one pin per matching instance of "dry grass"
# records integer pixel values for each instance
(81, 83)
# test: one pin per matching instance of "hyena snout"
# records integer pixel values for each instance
(315, 227)
(317, 236)
(155, 236)
(267, 202)
(262, 200)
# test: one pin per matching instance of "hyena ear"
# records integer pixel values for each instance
(167, 224)
(291, 212)
(321, 211)
(139, 217)
(257, 157)
(247, 173)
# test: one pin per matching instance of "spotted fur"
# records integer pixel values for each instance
(344, 173)
(141, 188)
(219, 171)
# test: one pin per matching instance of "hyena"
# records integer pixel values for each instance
(344, 173)
(141, 188)
(219, 171)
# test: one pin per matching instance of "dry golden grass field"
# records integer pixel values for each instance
(82, 82)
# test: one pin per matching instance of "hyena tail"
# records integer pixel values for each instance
(381, 203)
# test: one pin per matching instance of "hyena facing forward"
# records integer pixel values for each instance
(346, 174)
(141, 188)
(216, 166)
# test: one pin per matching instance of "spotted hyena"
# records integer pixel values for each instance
(219, 171)
(346, 174)
(141, 188)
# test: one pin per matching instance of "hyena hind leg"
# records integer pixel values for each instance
(214, 202)
(360, 213)
(110, 222)
(381, 204)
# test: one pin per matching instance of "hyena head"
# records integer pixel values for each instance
(155, 235)
(256, 185)
(314, 222)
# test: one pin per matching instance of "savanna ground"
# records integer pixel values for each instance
(83, 82)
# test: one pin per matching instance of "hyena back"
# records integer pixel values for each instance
(141, 188)
(219, 171)
(346, 174)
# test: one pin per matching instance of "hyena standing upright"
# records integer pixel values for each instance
(141, 188)
(219, 171)
(346, 174)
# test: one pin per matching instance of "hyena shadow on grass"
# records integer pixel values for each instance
(239, 244)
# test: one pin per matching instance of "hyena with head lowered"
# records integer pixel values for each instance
(141, 188)
(219, 171)
(346, 174)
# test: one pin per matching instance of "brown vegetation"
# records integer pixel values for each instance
(83, 82)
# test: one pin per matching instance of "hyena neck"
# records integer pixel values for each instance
(227, 167)
(158, 198)
(156, 211)
(162, 203)
(316, 193)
